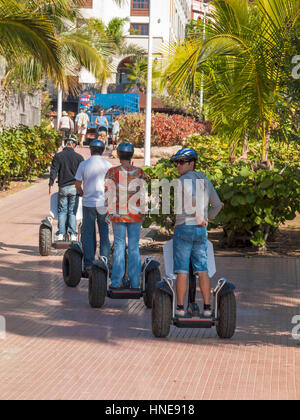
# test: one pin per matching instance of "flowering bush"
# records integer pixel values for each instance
(167, 130)
(46, 107)
(25, 152)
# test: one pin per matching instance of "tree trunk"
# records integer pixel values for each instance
(245, 148)
(232, 157)
(267, 143)
(3, 93)
(3, 104)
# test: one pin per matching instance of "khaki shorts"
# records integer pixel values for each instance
(82, 130)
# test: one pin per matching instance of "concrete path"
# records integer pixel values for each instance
(57, 347)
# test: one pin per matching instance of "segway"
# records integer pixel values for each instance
(47, 235)
(73, 263)
(100, 288)
(164, 302)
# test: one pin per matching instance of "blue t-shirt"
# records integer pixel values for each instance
(101, 121)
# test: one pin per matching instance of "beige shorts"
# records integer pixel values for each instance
(82, 130)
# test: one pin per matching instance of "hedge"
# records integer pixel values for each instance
(167, 130)
(25, 153)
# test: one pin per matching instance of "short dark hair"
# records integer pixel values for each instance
(96, 151)
(125, 156)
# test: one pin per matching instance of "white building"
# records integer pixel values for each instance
(200, 8)
(169, 18)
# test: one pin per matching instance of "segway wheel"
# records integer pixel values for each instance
(45, 241)
(97, 288)
(161, 314)
(72, 268)
(227, 316)
(152, 279)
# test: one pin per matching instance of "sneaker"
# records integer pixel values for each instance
(180, 312)
(59, 237)
(73, 238)
(207, 313)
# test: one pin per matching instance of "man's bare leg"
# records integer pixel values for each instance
(81, 137)
(204, 283)
(181, 287)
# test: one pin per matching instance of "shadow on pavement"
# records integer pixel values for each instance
(36, 303)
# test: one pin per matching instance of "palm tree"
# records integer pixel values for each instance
(137, 75)
(25, 32)
(241, 58)
(75, 48)
(39, 40)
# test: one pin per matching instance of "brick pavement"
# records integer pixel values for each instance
(57, 347)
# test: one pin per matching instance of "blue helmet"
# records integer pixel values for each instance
(126, 147)
(185, 154)
(125, 151)
(97, 147)
(97, 143)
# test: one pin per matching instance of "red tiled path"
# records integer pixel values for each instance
(57, 347)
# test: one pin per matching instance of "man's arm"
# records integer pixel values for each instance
(215, 204)
(79, 179)
(53, 172)
(78, 186)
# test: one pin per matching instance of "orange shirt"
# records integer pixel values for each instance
(121, 185)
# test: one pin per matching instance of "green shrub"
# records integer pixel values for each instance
(256, 202)
(26, 152)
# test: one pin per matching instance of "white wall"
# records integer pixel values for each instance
(107, 9)
(169, 18)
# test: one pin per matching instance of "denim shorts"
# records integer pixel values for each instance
(190, 245)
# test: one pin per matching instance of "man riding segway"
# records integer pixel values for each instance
(128, 279)
(64, 166)
(190, 236)
(197, 203)
(90, 179)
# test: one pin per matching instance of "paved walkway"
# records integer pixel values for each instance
(57, 347)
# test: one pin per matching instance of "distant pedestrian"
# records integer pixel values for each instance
(115, 132)
(72, 122)
(82, 121)
(65, 126)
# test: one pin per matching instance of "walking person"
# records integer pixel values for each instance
(65, 126)
(81, 124)
(64, 166)
(126, 219)
(115, 132)
(90, 185)
(190, 236)
(72, 123)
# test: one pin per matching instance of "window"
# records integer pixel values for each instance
(139, 29)
(87, 4)
(140, 7)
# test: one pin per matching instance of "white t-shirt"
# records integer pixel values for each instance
(92, 172)
(66, 122)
